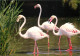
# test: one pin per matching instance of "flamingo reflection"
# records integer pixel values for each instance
(70, 53)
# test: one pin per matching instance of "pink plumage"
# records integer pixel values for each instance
(34, 32)
(67, 29)
(45, 25)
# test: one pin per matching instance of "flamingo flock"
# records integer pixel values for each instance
(67, 29)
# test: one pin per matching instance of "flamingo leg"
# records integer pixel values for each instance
(48, 43)
(37, 49)
(59, 42)
(70, 44)
(48, 40)
(34, 47)
(70, 53)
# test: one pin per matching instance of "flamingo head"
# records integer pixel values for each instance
(37, 6)
(51, 18)
(19, 17)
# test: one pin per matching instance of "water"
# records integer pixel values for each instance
(27, 45)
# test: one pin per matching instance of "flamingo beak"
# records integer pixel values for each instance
(50, 20)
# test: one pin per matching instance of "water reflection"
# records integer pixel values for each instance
(48, 50)
(35, 54)
(61, 53)
(54, 53)
(70, 53)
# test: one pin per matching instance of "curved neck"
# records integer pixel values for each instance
(22, 35)
(54, 28)
(57, 34)
(39, 16)
(56, 22)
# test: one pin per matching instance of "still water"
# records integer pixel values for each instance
(27, 45)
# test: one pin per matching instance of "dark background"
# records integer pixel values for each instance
(49, 8)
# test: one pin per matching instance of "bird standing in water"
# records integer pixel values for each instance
(66, 29)
(48, 26)
(34, 32)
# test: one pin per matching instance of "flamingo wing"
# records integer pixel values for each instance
(36, 33)
(48, 26)
(69, 27)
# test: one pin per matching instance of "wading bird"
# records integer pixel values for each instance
(34, 33)
(48, 26)
(66, 29)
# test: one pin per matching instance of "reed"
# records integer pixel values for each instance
(9, 11)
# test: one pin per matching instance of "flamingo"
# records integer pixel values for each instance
(67, 29)
(48, 26)
(34, 32)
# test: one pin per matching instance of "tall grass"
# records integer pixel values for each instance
(9, 11)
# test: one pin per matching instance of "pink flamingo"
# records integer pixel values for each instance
(48, 26)
(66, 29)
(34, 33)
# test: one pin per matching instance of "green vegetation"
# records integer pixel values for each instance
(9, 11)
(72, 3)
